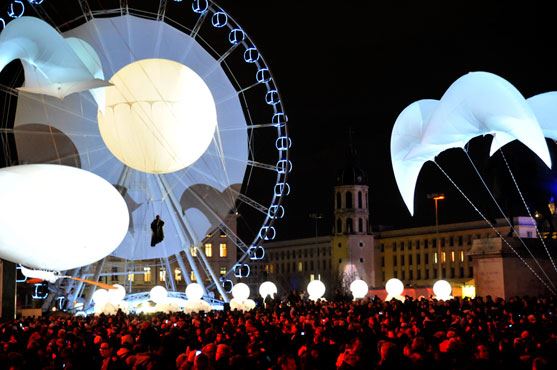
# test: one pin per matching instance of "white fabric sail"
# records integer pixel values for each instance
(476, 104)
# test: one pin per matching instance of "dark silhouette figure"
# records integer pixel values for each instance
(157, 232)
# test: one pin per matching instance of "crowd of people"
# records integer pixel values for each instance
(479, 333)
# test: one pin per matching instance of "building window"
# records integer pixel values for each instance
(192, 276)
(339, 226)
(410, 260)
(311, 265)
(426, 256)
(131, 276)
(419, 274)
(411, 275)
(360, 225)
(193, 251)
(147, 274)
(382, 247)
(222, 271)
(349, 199)
(401, 246)
(461, 256)
(382, 261)
(444, 257)
(162, 275)
(340, 260)
(394, 261)
(435, 257)
(394, 246)
(223, 251)
(209, 249)
(339, 204)
(452, 256)
(339, 245)
(418, 258)
(402, 260)
(403, 276)
(177, 274)
(528, 234)
(361, 260)
(359, 199)
(349, 227)
(114, 276)
(460, 240)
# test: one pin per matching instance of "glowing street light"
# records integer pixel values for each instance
(437, 197)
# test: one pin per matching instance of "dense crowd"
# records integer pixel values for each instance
(520, 333)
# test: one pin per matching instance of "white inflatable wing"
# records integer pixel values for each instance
(476, 104)
(408, 154)
(53, 66)
(544, 107)
(481, 103)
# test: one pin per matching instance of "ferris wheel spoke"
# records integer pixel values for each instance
(162, 10)
(19, 130)
(86, 9)
(252, 203)
(249, 127)
(123, 7)
(198, 25)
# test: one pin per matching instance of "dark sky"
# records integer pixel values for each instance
(357, 64)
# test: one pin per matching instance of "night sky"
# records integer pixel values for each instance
(357, 64)
(342, 65)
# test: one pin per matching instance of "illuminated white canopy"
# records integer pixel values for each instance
(58, 217)
(53, 65)
(544, 107)
(160, 116)
(476, 104)
(204, 192)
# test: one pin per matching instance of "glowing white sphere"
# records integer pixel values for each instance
(442, 289)
(359, 288)
(194, 291)
(57, 217)
(394, 287)
(159, 117)
(316, 289)
(240, 291)
(100, 297)
(115, 296)
(268, 288)
(158, 294)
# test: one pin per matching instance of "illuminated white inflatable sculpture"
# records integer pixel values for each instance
(194, 292)
(476, 104)
(108, 302)
(394, 288)
(57, 217)
(158, 294)
(442, 290)
(267, 288)
(160, 116)
(52, 65)
(359, 288)
(241, 300)
(316, 290)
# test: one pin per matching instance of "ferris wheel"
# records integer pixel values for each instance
(181, 114)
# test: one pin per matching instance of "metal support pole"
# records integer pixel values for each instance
(92, 288)
(182, 265)
(170, 275)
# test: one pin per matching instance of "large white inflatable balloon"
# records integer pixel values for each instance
(57, 217)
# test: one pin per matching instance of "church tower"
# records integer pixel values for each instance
(353, 247)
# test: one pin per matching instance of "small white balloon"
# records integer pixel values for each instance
(268, 288)
(394, 287)
(442, 289)
(100, 297)
(117, 294)
(316, 289)
(240, 291)
(158, 294)
(359, 288)
(194, 291)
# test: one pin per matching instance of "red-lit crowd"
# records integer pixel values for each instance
(519, 333)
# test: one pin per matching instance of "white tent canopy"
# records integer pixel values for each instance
(476, 104)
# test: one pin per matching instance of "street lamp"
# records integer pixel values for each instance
(437, 197)
(316, 217)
